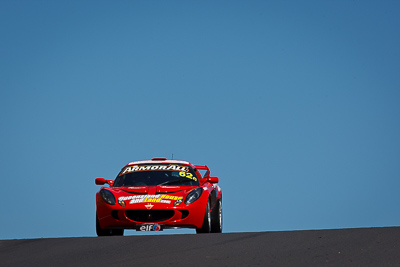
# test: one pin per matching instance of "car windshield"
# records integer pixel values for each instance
(153, 175)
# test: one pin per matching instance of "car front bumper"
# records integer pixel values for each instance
(133, 215)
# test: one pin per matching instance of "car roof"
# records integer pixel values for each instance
(160, 161)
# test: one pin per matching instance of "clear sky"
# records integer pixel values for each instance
(294, 105)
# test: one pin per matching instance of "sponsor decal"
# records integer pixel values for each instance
(149, 227)
(139, 168)
(160, 198)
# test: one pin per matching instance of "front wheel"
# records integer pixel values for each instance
(99, 231)
(117, 232)
(107, 232)
(206, 228)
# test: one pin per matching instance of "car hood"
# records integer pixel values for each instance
(160, 189)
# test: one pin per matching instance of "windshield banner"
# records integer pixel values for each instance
(139, 168)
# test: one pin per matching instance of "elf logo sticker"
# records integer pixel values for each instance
(149, 227)
(149, 206)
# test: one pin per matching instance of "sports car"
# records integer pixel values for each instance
(158, 194)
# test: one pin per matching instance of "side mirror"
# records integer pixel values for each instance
(100, 181)
(213, 179)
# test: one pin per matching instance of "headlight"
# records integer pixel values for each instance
(107, 196)
(193, 195)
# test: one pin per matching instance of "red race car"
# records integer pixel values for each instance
(158, 194)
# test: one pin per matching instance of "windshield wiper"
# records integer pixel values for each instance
(175, 181)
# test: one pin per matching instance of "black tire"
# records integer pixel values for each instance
(99, 231)
(206, 228)
(107, 232)
(117, 232)
(216, 218)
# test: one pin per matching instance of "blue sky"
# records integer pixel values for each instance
(293, 104)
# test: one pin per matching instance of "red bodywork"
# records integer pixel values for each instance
(144, 205)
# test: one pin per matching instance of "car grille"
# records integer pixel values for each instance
(149, 215)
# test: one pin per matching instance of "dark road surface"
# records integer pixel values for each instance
(343, 247)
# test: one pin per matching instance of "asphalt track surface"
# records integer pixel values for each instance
(341, 247)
